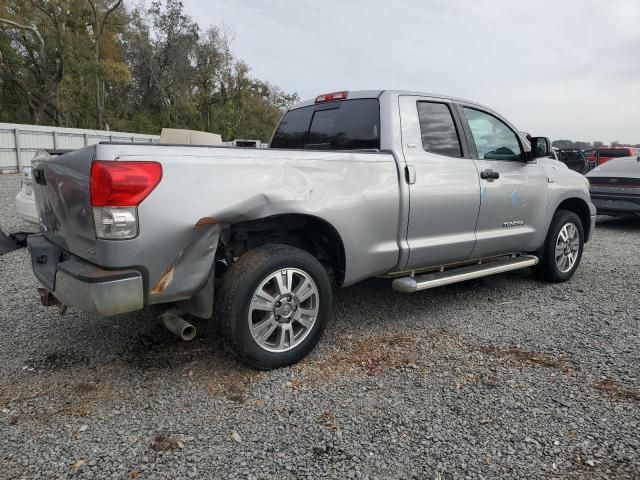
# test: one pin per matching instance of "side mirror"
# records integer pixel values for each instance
(540, 147)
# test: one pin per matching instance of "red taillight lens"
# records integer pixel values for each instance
(122, 184)
(331, 97)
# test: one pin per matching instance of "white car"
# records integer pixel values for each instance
(25, 203)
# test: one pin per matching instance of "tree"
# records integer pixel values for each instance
(32, 55)
(99, 20)
(212, 56)
(598, 144)
(580, 145)
(562, 144)
(92, 63)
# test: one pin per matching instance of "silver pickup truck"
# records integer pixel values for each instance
(423, 189)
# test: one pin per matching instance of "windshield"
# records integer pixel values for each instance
(345, 125)
(570, 155)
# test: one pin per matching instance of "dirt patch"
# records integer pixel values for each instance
(364, 355)
(58, 361)
(232, 383)
(163, 443)
(36, 399)
(617, 390)
(522, 358)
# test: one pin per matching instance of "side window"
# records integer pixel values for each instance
(439, 134)
(494, 139)
(292, 131)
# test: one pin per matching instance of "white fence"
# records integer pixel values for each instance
(19, 143)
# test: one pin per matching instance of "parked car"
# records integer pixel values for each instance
(573, 159)
(615, 187)
(602, 155)
(425, 190)
(25, 203)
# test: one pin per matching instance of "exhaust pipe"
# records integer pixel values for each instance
(47, 299)
(178, 326)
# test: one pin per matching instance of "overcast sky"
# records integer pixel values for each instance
(557, 68)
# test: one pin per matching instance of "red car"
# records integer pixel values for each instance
(601, 155)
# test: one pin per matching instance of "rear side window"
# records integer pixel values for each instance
(439, 134)
(345, 125)
(292, 131)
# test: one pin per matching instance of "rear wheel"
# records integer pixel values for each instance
(275, 305)
(563, 248)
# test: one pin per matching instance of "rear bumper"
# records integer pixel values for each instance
(26, 208)
(77, 283)
(617, 204)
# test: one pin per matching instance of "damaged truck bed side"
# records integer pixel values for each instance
(424, 189)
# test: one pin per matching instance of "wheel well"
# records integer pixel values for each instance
(306, 232)
(580, 208)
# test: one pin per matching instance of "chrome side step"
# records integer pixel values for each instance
(437, 279)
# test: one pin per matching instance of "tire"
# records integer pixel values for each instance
(291, 321)
(558, 269)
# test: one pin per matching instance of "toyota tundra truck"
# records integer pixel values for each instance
(425, 190)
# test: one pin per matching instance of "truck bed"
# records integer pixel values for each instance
(205, 189)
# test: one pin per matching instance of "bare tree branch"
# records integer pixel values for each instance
(34, 30)
(111, 10)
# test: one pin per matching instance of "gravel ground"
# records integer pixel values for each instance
(503, 377)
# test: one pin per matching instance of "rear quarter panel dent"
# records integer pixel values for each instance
(357, 193)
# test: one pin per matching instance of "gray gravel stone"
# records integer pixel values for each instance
(501, 377)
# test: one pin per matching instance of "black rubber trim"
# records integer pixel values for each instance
(89, 273)
(46, 261)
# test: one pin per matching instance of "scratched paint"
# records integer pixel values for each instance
(514, 197)
(165, 280)
(190, 268)
(206, 221)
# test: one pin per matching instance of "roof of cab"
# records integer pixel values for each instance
(353, 94)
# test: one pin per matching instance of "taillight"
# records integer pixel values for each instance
(116, 223)
(331, 97)
(123, 184)
(116, 189)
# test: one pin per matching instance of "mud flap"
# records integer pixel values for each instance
(7, 244)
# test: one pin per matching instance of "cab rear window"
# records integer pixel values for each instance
(345, 125)
(617, 153)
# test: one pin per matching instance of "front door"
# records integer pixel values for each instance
(444, 197)
(513, 191)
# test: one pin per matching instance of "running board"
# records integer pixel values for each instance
(437, 279)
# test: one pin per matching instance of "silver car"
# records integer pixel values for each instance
(423, 189)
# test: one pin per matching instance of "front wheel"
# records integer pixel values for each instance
(563, 248)
(275, 305)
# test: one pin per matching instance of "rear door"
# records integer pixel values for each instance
(444, 197)
(513, 191)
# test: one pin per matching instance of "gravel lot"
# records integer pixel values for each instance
(502, 377)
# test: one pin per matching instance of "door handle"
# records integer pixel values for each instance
(38, 176)
(489, 174)
(410, 174)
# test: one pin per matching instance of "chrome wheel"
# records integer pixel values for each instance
(567, 247)
(283, 310)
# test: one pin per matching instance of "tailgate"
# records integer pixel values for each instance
(61, 187)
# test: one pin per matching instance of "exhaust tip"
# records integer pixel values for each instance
(178, 326)
(188, 333)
